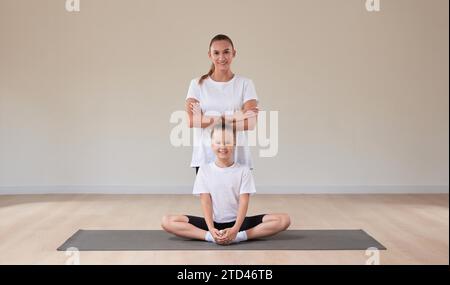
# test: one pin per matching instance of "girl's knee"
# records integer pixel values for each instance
(166, 222)
(285, 221)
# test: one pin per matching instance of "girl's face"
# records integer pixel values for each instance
(221, 54)
(222, 143)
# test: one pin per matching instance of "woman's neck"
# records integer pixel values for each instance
(221, 76)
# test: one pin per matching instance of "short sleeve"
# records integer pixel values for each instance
(247, 183)
(200, 185)
(250, 91)
(194, 90)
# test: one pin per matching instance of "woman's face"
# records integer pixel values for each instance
(222, 144)
(221, 54)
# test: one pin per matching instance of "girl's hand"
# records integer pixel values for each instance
(217, 235)
(230, 235)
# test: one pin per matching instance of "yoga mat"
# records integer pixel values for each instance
(136, 240)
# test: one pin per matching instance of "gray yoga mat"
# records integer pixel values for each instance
(136, 240)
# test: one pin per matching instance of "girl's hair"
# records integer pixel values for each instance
(219, 37)
(222, 127)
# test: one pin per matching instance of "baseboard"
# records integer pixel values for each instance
(302, 189)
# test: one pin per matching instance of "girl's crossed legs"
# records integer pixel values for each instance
(255, 226)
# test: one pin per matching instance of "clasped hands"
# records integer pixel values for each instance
(225, 236)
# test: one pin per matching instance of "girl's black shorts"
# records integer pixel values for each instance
(249, 222)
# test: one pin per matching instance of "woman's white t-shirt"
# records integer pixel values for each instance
(224, 185)
(218, 99)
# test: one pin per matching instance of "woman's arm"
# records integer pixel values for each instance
(196, 117)
(246, 118)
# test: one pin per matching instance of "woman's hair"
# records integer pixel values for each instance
(219, 37)
(222, 127)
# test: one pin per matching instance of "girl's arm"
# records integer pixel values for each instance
(196, 117)
(205, 199)
(242, 212)
(231, 233)
(207, 212)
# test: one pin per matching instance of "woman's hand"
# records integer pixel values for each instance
(242, 116)
(198, 119)
(254, 111)
(195, 109)
(251, 113)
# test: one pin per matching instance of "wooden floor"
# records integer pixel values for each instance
(414, 228)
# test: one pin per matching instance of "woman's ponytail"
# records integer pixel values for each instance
(210, 72)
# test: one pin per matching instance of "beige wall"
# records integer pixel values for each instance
(85, 98)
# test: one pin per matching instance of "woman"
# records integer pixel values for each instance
(221, 94)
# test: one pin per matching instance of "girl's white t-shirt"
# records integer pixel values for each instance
(224, 185)
(218, 99)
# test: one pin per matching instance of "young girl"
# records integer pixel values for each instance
(224, 187)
